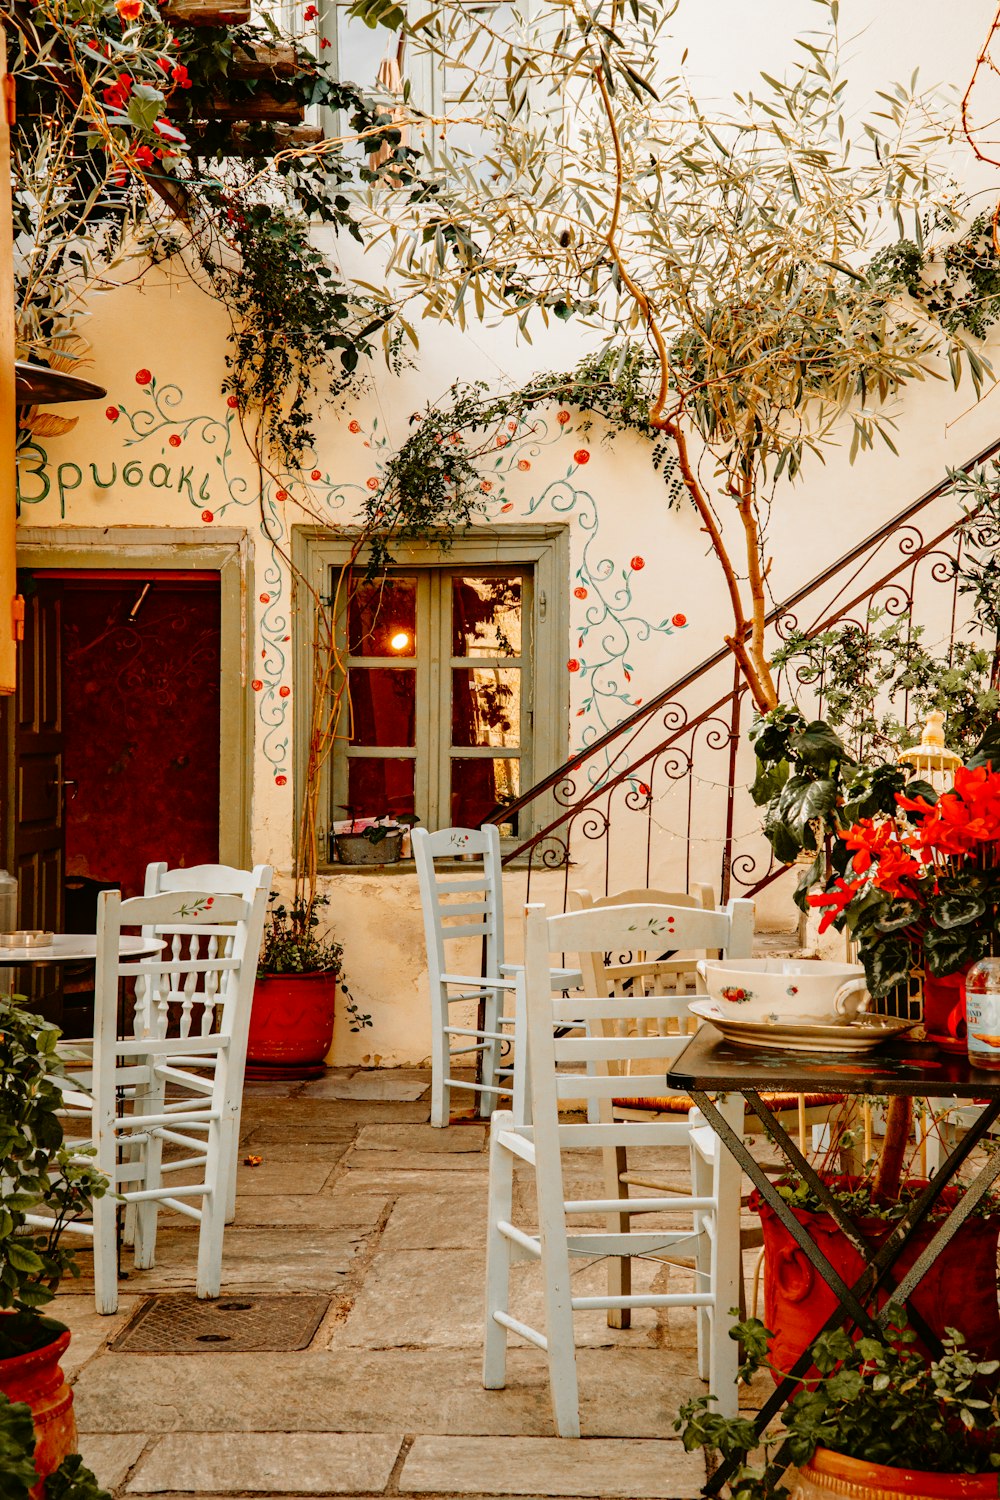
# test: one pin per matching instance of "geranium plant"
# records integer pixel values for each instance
(293, 945)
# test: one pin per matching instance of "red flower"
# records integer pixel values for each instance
(643, 789)
(502, 442)
(310, 13)
(142, 377)
(315, 474)
(283, 692)
(511, 426)
(523, 463)
(562, 418)
(265, 598)
(179, 75)
(233, 401)
(325, 41)
(281, 494)
(280, 780)
(256, 684)
(112, 413)
(580, 593)
(637, 564)
(207, 515)
(174, 440)
(837, 899)
(144, 157)
(679, 620)
(354, 426)
(508, 506)
(581, 456)
(572, 665)
(129, 10)
(486, 485)
(164, 64)
(372, 483)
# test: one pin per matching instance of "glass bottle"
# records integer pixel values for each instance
(8, 902)
(982, 1008)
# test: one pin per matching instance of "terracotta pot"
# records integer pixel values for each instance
(37, 1379)
(959, 1291)
(829, 1473)
(944, 1009)
(291, 1025)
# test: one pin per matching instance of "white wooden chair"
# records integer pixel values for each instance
(621, 1059)
(218, 880)
(189, 1033)
(459, 905)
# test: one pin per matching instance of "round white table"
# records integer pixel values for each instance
(67, 947)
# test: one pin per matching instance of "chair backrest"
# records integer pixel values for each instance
(201, 982)
(629, 1043)
(463, 903)
(601, 974)
(220, 880)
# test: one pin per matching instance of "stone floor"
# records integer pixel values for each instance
(356, 1196)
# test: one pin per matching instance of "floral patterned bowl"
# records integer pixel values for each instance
(784, 990)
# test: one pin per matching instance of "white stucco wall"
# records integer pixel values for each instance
(167, 451)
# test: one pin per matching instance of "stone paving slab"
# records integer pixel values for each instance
(308, 1463)
(255, 1259)
(91, 1330)
(456, 1211)
(399, 1084)
(421, 1138)
(273, 1176)
(348, 1210)
(419, 1163)
(635, 1393)
(328, 1124)
(363, 1175)
(636, 1470)
(112, 1455)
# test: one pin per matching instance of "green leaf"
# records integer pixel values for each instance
(957, 907)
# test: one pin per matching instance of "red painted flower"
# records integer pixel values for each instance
(265, 598)
(354, 426)
(562, 418)
(580, 593)
(283, 692)
(637, 564)
(502, 442)
(511, 426)
(174, 440)
(142, 377)
(315, 475)
(112, 413)
(572, 665)
(207, 515)
(643, 789)
(509, 506)
(233, 401)
(256, 684)
(679, 620)
(280, 780)
(581, 456)
(281, 495)
(523, 464)
(486, 485)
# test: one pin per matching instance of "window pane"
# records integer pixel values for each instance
(384, 701)
(377, 787)
(486, 616)
(478, 786)
(382, 618)
(360, 49)
(486, 706)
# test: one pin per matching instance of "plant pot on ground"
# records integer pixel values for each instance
(876, 1418)
(40, 1178)
(300, 976)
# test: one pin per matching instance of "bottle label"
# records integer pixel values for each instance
(983, 1015)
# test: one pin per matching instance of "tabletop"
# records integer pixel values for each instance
(712, 1065)
(69, 946)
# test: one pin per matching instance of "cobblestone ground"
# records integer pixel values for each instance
(357, 1197)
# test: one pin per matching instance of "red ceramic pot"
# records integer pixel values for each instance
(37, 1379)
(291, 1025)
(944, 1009)
(829, 1473)
(959, 1291)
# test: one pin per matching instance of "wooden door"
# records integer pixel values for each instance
(38, 792)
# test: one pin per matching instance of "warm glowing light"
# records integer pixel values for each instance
(400, 641)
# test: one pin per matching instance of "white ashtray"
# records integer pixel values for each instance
(30, 938)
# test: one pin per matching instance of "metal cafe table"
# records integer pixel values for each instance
(708, 1066)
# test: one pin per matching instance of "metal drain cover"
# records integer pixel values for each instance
(236, 1324)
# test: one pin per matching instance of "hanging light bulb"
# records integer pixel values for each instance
(399, 641)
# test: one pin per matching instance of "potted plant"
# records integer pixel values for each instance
(41, 1178)
(877, 1419)
(299, 977)
(372, 841)
(18, 1451)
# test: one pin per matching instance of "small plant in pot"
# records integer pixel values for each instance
(300, 975)
(877, 1418)
(372, 841)
(40, 1179)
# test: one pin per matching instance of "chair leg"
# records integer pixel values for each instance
(498, 1255)
(563, 1386)
(440, 1092)
(212, 1226)
(619, 1266)
(727, 1267)
(705, 1226)
(144, 1215)
(106, 1254)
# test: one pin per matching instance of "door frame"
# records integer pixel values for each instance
(228, 551)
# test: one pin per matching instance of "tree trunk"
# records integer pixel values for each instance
(897, 1135)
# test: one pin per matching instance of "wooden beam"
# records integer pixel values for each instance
(285, 137)
(206, 12)
(262, 104)
(9, 617)
(266, 60)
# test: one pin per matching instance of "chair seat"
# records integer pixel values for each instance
(681, 1104)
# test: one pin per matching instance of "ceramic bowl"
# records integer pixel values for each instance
(786, 990)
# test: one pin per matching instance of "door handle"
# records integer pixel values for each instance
(60, 783)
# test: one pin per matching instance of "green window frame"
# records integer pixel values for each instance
(429, 674)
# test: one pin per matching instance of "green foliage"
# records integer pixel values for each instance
(959, 286)
(293, 945)
(40, 1176)
(71, 1481)
(876, 1399)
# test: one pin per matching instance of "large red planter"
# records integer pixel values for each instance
(944, 1010)
(828, 1473)
(37, 1379)
(291, 1025)
(959, 1291)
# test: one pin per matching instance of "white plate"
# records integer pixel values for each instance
(852, 1036)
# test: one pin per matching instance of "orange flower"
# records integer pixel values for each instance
(129, 10)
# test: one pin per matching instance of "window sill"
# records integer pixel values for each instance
(408, 867)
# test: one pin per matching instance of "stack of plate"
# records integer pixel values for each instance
(802, 1036)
